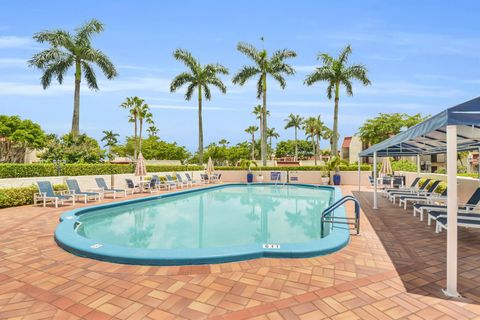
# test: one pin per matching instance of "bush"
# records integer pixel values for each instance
(13, 197)
(363, 167)
(404, 165)
(9, 170)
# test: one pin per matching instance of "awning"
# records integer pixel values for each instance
(429, 137)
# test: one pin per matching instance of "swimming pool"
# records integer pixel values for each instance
(215, 224)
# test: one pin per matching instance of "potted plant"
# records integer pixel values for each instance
(332, 165)
(248, 164)
(325, 177)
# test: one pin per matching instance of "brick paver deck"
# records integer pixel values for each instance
(394, 269)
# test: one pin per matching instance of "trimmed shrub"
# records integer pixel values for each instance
(13, 197)
(13, 170)
(363, 167)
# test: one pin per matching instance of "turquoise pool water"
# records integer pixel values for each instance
(215, 224)
(212, 218)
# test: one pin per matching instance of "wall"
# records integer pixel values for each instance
(466, 186)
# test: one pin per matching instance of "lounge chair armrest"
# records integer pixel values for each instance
(95, 189)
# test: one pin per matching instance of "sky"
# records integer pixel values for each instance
(422, 56)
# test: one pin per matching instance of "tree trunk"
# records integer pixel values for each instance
(296, 146)
(318, 148)
(264, 121)
(314, 150)
(135, 142)
(200, 126)
(76, 100)
(140, 136)
(335, 121)
(253, 146)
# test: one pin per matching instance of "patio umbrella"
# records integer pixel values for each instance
(386, 167)
(210, 167)
(140, 167)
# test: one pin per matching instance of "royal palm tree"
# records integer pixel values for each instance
(271, 133)
(251, 130)
(311, 127)
(263, 65)
(139, 111)
(337, 73)
(111, 140)
(199, 77)
(294, 121)
(66, 51)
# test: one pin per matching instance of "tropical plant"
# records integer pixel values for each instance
(294, 121)
(152, 131)
(257, 111)
(66, 51)
(311, 126)
(154, 148)
(386, 125)
(72, 149)
(223, 142)
(199, 77)
(111, 140)
(337, 73)
(247, 164)
(17, 136)
(139, 112)
(251, 130)
(271, 134)
(274, 66)
(288, 147)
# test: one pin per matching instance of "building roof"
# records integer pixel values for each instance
(346, 142)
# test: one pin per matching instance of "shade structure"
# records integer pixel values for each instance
(210, 168)
(140, 167)
(386, 167)
(450, 131)
(430, 136)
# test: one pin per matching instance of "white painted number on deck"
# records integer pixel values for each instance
(271, 246)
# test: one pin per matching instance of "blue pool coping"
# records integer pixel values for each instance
(68, 239)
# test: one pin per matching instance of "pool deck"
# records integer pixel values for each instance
(394, 269)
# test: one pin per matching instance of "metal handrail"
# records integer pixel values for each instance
(333, 207)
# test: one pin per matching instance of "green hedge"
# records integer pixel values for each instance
(48, 170)
(363, 167)
(13, 197)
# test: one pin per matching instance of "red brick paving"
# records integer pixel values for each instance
(394, 269)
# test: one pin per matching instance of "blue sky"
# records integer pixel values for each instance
(422, 56)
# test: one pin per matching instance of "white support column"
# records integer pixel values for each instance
(418, 165)
(452, 207)
(359, 172)
(375, 180)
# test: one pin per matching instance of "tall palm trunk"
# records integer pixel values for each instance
(314, 149)
(253, 146)
(318, 148)
(76, 100)
(200, 126)
(296, 146)
(140, 136)
(264, 121)
(335, 121)
(135, 145)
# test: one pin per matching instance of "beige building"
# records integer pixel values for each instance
(351, 147)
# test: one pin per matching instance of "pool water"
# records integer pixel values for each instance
(212, 218)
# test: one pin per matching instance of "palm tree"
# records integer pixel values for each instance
(336, 73)
(199, 77)
(274, 66)
(224, 142)
(139, 110)
(152, 131)
(144, 115)
(66, 51)
(271, 133)
(310, 126)
(294, 121)
(257, 111)
(111, 140)
(251, 130)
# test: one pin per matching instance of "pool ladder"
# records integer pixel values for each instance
(328, 217)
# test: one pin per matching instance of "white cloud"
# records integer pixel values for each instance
(400, 88)
(15, 42)
(304, 68)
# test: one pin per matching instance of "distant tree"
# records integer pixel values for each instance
(251, 130)
(271, 134)
(72, 149)
(66, 51)
(386, 125)
(152, 131)
(17, 136)
(286, 148)
(155, 149)
(312, 127)
(263, 65)
(223, 142)
(139, 113)
(199, 78)
(257, 111)
(111, 140)
(294, 121)
(336, 72)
